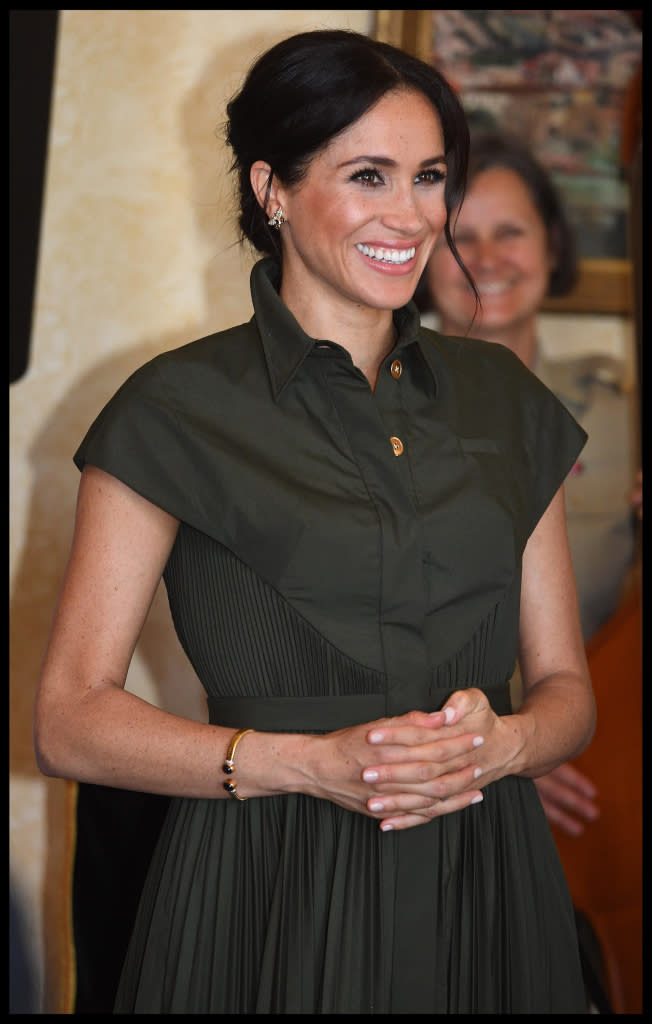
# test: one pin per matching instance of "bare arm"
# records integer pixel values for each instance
(87, 726)
(568, 796)
(557, 715)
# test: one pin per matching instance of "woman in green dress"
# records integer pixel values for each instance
(360, 525)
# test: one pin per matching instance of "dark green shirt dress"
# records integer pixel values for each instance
(343, 555)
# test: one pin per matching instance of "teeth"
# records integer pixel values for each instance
(387, 255)
(493, 287)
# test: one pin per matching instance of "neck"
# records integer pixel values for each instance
(368, 334)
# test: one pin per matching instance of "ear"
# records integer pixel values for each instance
(264, 185)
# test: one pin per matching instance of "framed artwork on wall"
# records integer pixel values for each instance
(563, 81)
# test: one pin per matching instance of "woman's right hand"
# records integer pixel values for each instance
(568, 798)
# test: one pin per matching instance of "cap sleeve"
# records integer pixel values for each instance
(553, 440)
(137, 437)
(496, 397)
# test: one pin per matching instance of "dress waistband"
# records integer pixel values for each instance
(324, 714)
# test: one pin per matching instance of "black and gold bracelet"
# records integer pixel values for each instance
(229, 764)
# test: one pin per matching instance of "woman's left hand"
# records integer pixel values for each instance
(425, 785)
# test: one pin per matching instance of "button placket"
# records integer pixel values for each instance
(396, 369)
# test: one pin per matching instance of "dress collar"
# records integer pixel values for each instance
(285, 343)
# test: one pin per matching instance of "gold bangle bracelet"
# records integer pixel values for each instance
(229, 764)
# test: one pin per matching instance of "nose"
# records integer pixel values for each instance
(480, 253)
(403, 213)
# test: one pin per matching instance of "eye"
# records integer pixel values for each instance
(431, 176)
(464, 238)
(368, 176)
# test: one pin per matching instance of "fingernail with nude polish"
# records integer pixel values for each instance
(449, 714)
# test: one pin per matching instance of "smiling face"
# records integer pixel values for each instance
(363, 221)
(503, 241)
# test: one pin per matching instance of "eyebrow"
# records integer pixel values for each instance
(385, 161)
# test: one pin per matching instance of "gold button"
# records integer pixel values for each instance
(397, 445)
(396, 369)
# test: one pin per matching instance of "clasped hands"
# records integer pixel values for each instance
(415, 767)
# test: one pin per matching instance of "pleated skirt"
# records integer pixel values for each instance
(293, 905)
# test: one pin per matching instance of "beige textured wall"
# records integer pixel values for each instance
(138, 254)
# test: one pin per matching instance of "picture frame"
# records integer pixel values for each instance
(570, 101)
